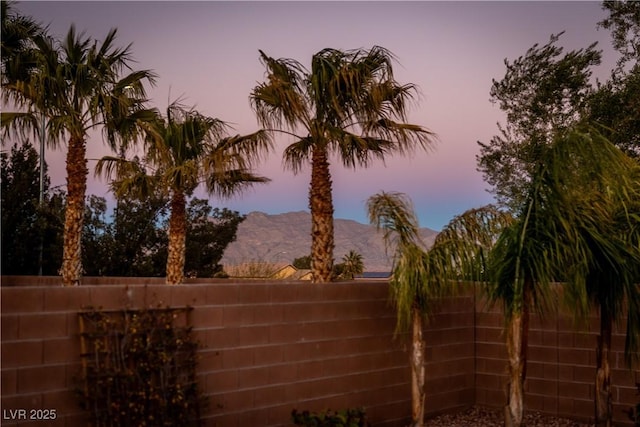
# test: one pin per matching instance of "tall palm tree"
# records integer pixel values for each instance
(183, 150)
(421, 276)
(349, 105)
(78, 84)
(558, 235)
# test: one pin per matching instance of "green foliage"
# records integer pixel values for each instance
(18, 32)
(615, 107)
(352, 265)
(209, 232)
(344, 418)
(543, 93)
(25, 223)
(139, 367)
(132, 243)
(135, 242)
(420, 276)
(137, 237)
(624, 23)
(302, 263)
(349, 104)
(183, 150)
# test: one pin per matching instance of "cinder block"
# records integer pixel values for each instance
(16, 354)
(268, 355)
(238, 401)
(22, 300)
(237, 315)
(268, 314)
(220, 338)
(253, 377)
(34, 326)
(68, 298)
(187, 295)
(251, 336)
(207, 316)
(62, 350)
(254, 294)
(221, 294)
(8, 381)
(9, 327)
(236, 358)
(42, 378)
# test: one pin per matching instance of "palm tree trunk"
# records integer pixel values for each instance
(177, 239)
(321, 206)
(77, 171)
(603, 405)
(517, 345)
(417, 370)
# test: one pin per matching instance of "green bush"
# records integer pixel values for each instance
(344, 418)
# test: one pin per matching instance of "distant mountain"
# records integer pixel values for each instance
(282, 238)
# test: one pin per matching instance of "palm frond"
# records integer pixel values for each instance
(297, 154)
(281, 102)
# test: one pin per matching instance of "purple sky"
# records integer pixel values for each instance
(207, 53)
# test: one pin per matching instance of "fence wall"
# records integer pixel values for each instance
(270, 347)
(267, 348)
(561, 365)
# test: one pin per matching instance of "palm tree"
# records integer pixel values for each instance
(352, 265)
(420, 277)
(184, 149)
(346, 105)
(609, 225)
(558, 234)
(18, 33)
(78, 86)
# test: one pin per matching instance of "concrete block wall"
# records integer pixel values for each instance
(267, 348)
(560, 369)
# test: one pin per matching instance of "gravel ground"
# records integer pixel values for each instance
(485, 417)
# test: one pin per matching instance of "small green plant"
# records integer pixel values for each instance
(344, 418)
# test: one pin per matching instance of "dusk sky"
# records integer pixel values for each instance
(207, 53)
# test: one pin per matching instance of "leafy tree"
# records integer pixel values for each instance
(138, 236)
(624, 23)
(349, 105)
(78, 86)
(302, 263)
(184, 149)
(96, 237)
(27, 224)
(134, 243)
(616, 105)
(543, 93)
(209, 232)
(21, 232)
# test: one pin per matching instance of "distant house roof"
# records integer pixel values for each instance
(302, 274)
(369, 275)
(285, 272)
(289, 272)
